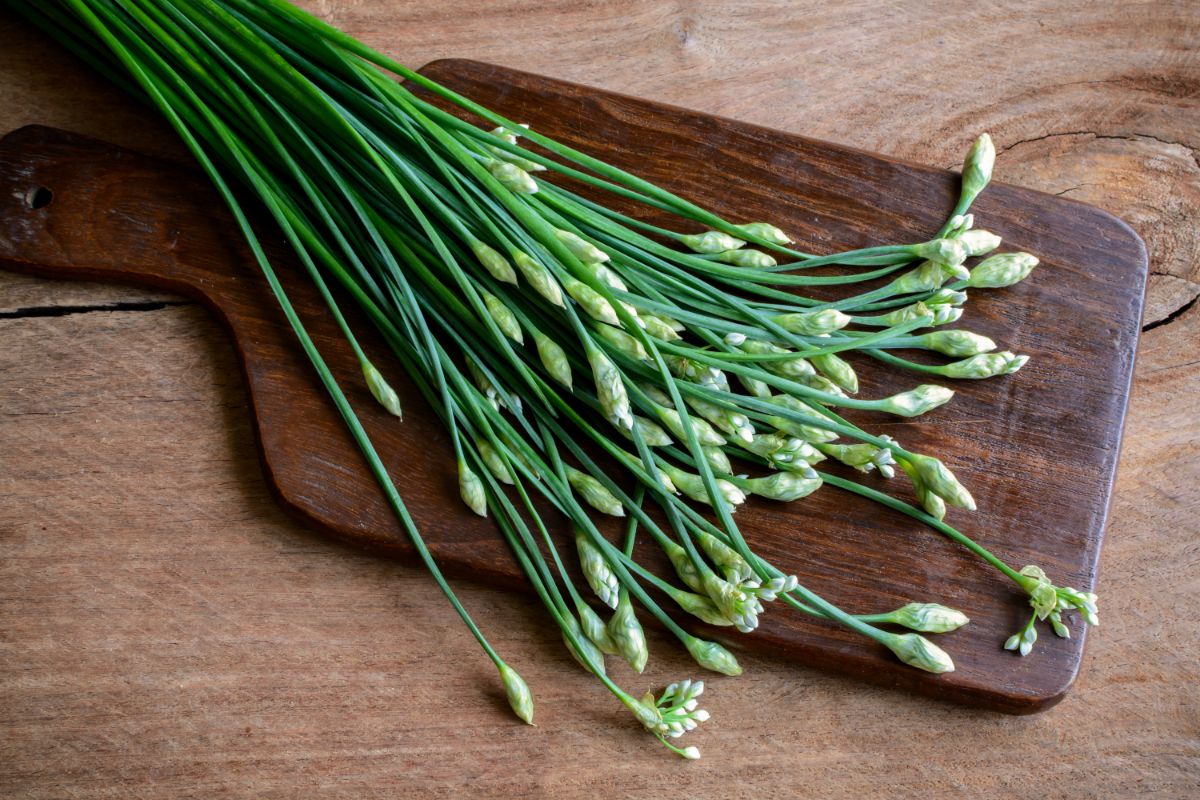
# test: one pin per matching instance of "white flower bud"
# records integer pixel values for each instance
(596, 570)
(984, 365)
(610, 388)
(929, 618)
(691, 753)
(979, 242)
(734, 338)
(977, 166)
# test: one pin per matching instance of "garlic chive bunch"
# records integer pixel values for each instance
(586, 364)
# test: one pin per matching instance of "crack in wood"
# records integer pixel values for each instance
(62, 311)
(1174, 315)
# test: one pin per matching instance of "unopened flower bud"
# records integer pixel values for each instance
(610, 388)
(596, 570)
(785, 486)
(710, 242)
(539, 278)
(627, 634)
(941, 481)
(837, 370)
(520, 699)
(496, 264)
(764, 231)
(917, 401)
(581, 248)
(956, 342)
(813, 323)
(917, 651)
(553, 358)
(977, 167)
(979, 242)
(752, 259)
(711, 655)
(512, 177)
(471, 489)
(381, 390)
(984, 365)
(594, 493)
(591, 301)
(929, 618)
(1002, 270)
(503, 316)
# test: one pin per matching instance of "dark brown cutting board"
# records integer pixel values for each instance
(1038, 449)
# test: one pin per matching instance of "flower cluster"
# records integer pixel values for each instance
(673, 714)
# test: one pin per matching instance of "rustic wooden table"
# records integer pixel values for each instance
(166, 632)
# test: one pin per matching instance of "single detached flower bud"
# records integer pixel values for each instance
(917, 651)
(710, 242)
(520, 699)
(1002, 270)
(380, 389)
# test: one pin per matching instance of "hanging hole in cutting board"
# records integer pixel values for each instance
(38, 197)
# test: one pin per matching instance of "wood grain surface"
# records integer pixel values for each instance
(167, 633)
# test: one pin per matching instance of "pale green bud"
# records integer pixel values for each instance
(496, 264)
(471, 489)
(753, 259)
(520, 699)
(956, 342)
(610, 388)
(581, 248)
(728, 560)
(984, 365)
(591, 301)
(503, 316)
(1042, 595)
(627, 634)
(764, 231)
(623, 342)
(977, 166)
(754, 386)
(813, 323)
(381, 390)
(596, 570)
(691, 753)
(685, 568)
(916, 402)
(692, 486)
(505, 134)
(837, 370)
(700, 607)
(705, 433)
(907, 314)
(658, 328)
(710, 242)
(673, 324)
(929, 618)
(942, 251)
(945, 315)
(785, 486)
(925, 277)
(511, 176)
(795, 368)
(917, 651)
(1002, 270)
(941, 481)
(652, 435)
(595, 629)
(782, 449)
(863, 457)
(553, 358)
(539, 278)
(516, 160)
(594, 493)
(605, 275)
(586, 654)
(821, 384)
(947, 296)
(711, 655)
(647, 713)
(492, 460)
(979, 242)
(732, 423)
(717, 459)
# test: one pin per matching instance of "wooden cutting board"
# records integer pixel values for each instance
(1037, 449)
